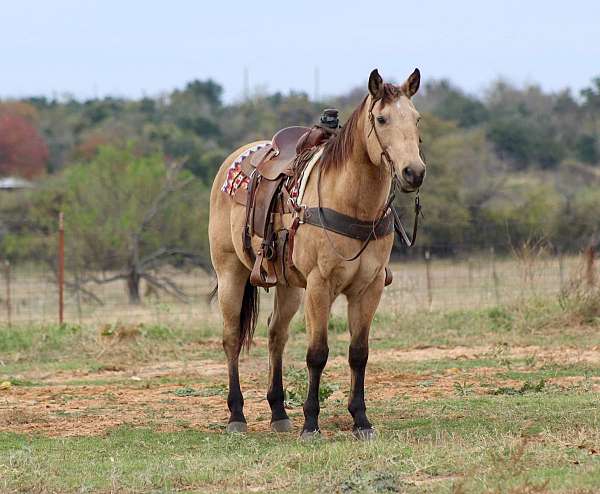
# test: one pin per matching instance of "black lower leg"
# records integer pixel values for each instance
(357, 357)
(315, 360)
(235, 399)
(275, 395)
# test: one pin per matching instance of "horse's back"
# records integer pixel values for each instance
(219, 223)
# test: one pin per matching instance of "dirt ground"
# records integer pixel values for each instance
(74, 403)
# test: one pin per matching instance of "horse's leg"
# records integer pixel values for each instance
(287, 301)
(361, 309)
(232, 280)
(317, 308)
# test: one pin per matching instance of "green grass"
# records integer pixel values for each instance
(508, 429)
(488, 444)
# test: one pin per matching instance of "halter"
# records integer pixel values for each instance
(398, 226)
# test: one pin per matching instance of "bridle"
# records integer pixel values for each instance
(388, 207)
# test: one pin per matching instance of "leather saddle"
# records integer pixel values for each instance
(271, 169)
(277, 158)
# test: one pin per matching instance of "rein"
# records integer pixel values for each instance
(398, 226)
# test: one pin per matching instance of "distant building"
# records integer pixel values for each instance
(14, 183)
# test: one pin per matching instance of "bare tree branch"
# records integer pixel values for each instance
(167, 286)
(103, 281)
(77, 287)
(171, 185)
(165, 252)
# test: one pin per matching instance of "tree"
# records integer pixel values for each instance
(23, 151)
(586, 149)
(127, 215)
(472, 168)
(591, 101)
(525, 142)
(450, 103)
(576, 225)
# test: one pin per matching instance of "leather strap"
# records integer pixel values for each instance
(348, 226)
(375, 223)
(399, 227)
(248, 232)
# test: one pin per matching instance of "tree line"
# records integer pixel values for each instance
(513, 166)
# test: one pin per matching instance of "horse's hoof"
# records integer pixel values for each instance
(364, 434)
(237, 427)
(310, 435)
(283, 425)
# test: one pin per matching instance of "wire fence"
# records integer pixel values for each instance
(31, 294)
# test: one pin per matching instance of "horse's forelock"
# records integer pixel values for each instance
(390, 93)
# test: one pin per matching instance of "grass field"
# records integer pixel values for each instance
(501, 399)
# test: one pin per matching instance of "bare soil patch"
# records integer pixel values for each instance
(57, 407)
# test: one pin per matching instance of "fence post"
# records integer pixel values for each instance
(8, 293)
(590, 255)
(495, 274)
(428, 271)
(61, 268)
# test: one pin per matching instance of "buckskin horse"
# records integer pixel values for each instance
(337, 240)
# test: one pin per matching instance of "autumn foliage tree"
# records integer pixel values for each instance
(23, 151)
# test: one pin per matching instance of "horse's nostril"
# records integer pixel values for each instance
(413, 177)
(418, 179)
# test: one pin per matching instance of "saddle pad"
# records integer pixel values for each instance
(298, 191)
(236, 178)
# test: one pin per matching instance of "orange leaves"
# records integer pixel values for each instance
(23, 151)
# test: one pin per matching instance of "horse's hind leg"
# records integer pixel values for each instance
(361, 309)
(287, 301)
(232, 288)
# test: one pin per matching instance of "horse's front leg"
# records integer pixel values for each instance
(361, 309)
(317, 308)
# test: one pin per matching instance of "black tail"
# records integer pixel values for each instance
(248, 315)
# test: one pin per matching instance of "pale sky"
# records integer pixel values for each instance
(134, 47)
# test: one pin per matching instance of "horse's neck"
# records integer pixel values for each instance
(360, 188)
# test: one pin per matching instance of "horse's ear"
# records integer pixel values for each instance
(375, 84)
(411, 85)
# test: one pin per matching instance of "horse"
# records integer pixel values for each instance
(377, 148)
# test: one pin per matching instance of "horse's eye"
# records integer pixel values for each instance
(381, 119)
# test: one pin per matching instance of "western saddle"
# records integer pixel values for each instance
(274, 170)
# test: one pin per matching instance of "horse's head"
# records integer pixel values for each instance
(391, 129)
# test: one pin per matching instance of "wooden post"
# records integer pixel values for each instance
(590, 275)
(495, 275)
(61, 268)
(8, 293)
(428, 271)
